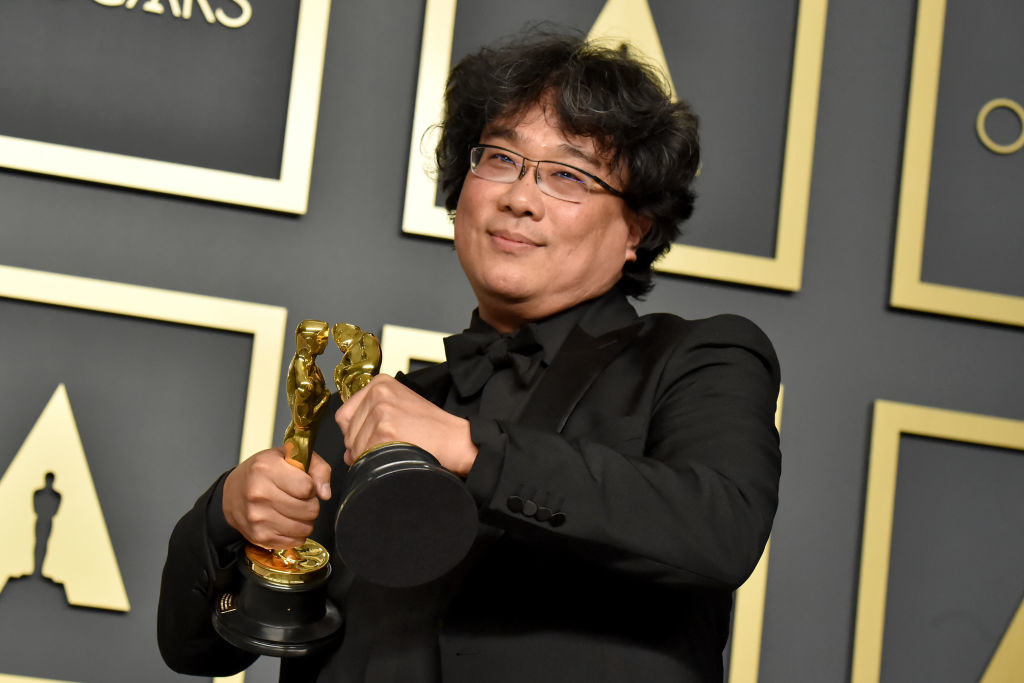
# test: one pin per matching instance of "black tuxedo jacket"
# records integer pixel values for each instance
(634, 494)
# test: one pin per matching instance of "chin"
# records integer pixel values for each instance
(510, 289)
(507, 298)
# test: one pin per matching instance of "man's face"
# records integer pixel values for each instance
(528, 255)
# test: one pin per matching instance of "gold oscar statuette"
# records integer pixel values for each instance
(403, 519)
(282, 608)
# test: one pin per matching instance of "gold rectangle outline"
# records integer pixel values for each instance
(908, 290)
(403, 344)
(782, 271)
(891, 420)
(748, 609)
(264, 322)
(289, 193)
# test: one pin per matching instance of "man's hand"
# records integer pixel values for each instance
(386, 410)
(272, 502)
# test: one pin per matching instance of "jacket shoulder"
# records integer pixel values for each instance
(722, 331)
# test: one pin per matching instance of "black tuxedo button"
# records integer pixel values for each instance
(514, 503)
(543, 514)
(557, 519)
(529, 508)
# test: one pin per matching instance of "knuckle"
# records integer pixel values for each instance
(259, 466)
(257, 492)
(386, 427)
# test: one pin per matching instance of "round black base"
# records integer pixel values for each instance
(296, 640)
(404, 520)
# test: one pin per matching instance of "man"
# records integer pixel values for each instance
(625, 468)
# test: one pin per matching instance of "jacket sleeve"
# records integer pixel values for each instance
(680, 489)
(195, 573)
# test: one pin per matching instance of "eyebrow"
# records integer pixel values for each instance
(513, 137)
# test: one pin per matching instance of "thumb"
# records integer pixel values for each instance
(320, 471)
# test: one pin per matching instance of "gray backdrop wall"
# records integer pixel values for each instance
(159, 407)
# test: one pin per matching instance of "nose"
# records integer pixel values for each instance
(525, 198)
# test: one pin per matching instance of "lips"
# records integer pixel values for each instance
(512, 240)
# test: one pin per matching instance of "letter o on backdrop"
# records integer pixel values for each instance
(983, 135)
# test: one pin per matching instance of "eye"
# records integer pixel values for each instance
(566, 175)
(498, 158)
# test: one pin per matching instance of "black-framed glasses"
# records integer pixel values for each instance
(554, 178)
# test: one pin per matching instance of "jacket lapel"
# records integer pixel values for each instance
(431, 383)
(581, 359)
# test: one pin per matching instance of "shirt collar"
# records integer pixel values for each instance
(552, 331)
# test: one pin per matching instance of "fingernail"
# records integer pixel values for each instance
(325, 491)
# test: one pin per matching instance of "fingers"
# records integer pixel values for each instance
(293, 462)
(386, 410)
(320, 472)
(284, 534)
(281, 473)
(359, 417)
(356, 431)
(348, 409)
(270, 502)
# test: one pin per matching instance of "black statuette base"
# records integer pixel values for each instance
(280, 621)
(405, 520)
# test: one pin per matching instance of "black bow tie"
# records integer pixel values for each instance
(473, 357)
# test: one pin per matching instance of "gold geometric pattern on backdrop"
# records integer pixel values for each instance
(11, 678)
(908, 289)
(1007, 664)
(79, 555)
(631, 21)
(265, 323)
(783, 270)
(289, 192)
(890, 421)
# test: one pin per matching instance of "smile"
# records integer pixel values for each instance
(512, 241)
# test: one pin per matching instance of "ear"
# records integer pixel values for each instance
(638, 226)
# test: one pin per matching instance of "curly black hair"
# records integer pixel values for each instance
(606, 94)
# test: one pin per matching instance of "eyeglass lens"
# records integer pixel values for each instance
(555, 179)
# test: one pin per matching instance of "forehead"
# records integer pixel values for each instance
(539, 127)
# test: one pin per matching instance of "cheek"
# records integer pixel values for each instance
(473, 194)
(461, 223)
(466, 242)
(468, 214)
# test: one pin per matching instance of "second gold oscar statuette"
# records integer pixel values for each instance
(404, 520)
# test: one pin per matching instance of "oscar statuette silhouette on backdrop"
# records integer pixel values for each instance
(33, 592)
(403, 519)
(46, 502)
